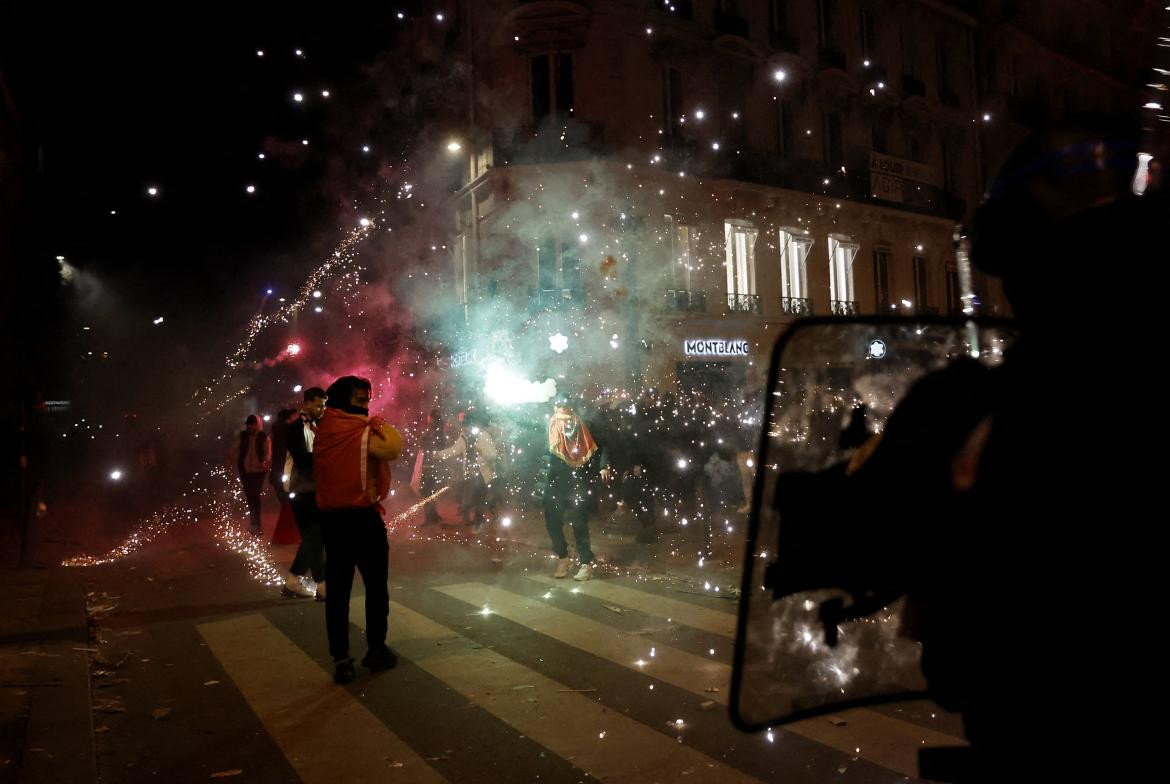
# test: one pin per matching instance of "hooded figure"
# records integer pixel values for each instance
(351, 455)
(573, 463)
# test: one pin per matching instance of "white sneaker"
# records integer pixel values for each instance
(295, 586)
(585, 572)
(562, 568)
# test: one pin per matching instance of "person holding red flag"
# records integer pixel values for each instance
(573, 461)
(351, 465)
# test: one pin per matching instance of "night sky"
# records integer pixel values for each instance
(122, 99)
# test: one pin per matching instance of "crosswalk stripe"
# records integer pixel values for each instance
(698, 674)
(324, 732)
(678, 611)
(882, 740)
(604, 744)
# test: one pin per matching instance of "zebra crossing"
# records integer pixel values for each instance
(613, 680)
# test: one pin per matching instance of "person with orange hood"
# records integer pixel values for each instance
(351, 464)
(573, 464)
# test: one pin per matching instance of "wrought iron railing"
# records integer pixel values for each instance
(685, 300)
(744, 303)
(557, 299)
(829, 57)
(796, 306)
(912, 85)
(732, 24)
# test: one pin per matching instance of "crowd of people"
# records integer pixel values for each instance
(329, 462)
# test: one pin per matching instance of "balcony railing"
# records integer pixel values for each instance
(796, 306)
(555, 140)
(731, 24)
(558, 299)
(843, 307)
(685, 300)
(912, 85)
(784, 41)
(828, 57)
(744, 303)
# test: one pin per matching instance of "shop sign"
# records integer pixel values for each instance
(714, 347)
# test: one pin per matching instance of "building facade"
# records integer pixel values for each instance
(676, 181)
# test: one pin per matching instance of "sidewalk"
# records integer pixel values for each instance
(46, 728)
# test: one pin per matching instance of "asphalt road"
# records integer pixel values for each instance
(202, 672)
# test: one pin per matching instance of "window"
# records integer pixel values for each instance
(951, 161)
(459, 263)
(825, 23)
(558, 264)
(834, 141)
(740, 239)
(954, 293)
(868, 34)
(794, 249)
(909, 54)
(942, 56)
(785, 138)
(842, 252)
(881, 280)
(570, 264)
(672, 102)
(990, 70)
(681, 260)
(552, 86)
(921, 293)
(914, 147)
(541, 99)
(880, 136)
(546, 264)
(778, 18)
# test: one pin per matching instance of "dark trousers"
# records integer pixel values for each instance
(253, 483)
(311, 554)
(556, 511)
(355, 538)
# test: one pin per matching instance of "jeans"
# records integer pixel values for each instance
(253, 483)
(311, 554)
(355, 538)
(556, 509)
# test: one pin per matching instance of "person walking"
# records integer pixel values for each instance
(253, 459)
(573, 462)
(306, 576)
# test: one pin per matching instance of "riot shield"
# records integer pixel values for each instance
(808, 642)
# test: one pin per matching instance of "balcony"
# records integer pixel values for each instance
(829, 57)
(913, 86)
(685, 301)
(784, 41)
(557, 299)
(554, 141)
(796, 306)
(744, 303)
(731, 24)
(843, 307)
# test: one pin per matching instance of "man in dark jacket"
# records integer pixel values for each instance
(306, 576)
